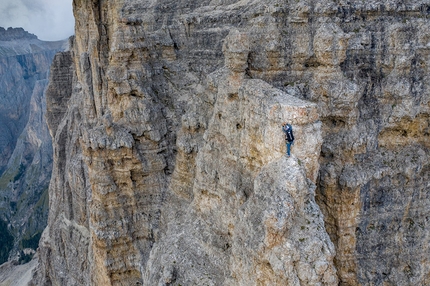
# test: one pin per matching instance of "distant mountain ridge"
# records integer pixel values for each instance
(25, 143)
(11, 34)
(17, 41)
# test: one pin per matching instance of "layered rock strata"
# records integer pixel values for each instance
(170, 166)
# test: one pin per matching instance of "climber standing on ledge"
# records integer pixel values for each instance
(289, 137)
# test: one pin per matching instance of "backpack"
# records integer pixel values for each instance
(289, 133)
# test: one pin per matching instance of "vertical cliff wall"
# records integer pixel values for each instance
(169, 163)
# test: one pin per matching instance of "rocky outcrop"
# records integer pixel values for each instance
(169, 165)
(25, 144)
(249, 216)
(68, 212)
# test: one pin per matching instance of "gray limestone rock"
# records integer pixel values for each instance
(169, 164)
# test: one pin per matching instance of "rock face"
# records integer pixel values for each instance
(25, 144)
(169, 164)
(249, 215)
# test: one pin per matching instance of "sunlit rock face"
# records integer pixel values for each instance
(169, 159)
(25, 144)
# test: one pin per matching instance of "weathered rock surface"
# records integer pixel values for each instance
(66, 231)
(25, 144)
(252, 218)
(169, 165)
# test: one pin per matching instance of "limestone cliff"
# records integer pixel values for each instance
(25, 144)
(169, 164)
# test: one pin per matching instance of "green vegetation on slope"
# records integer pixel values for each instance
(32, 242)
(6, 242)
(20, 172)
